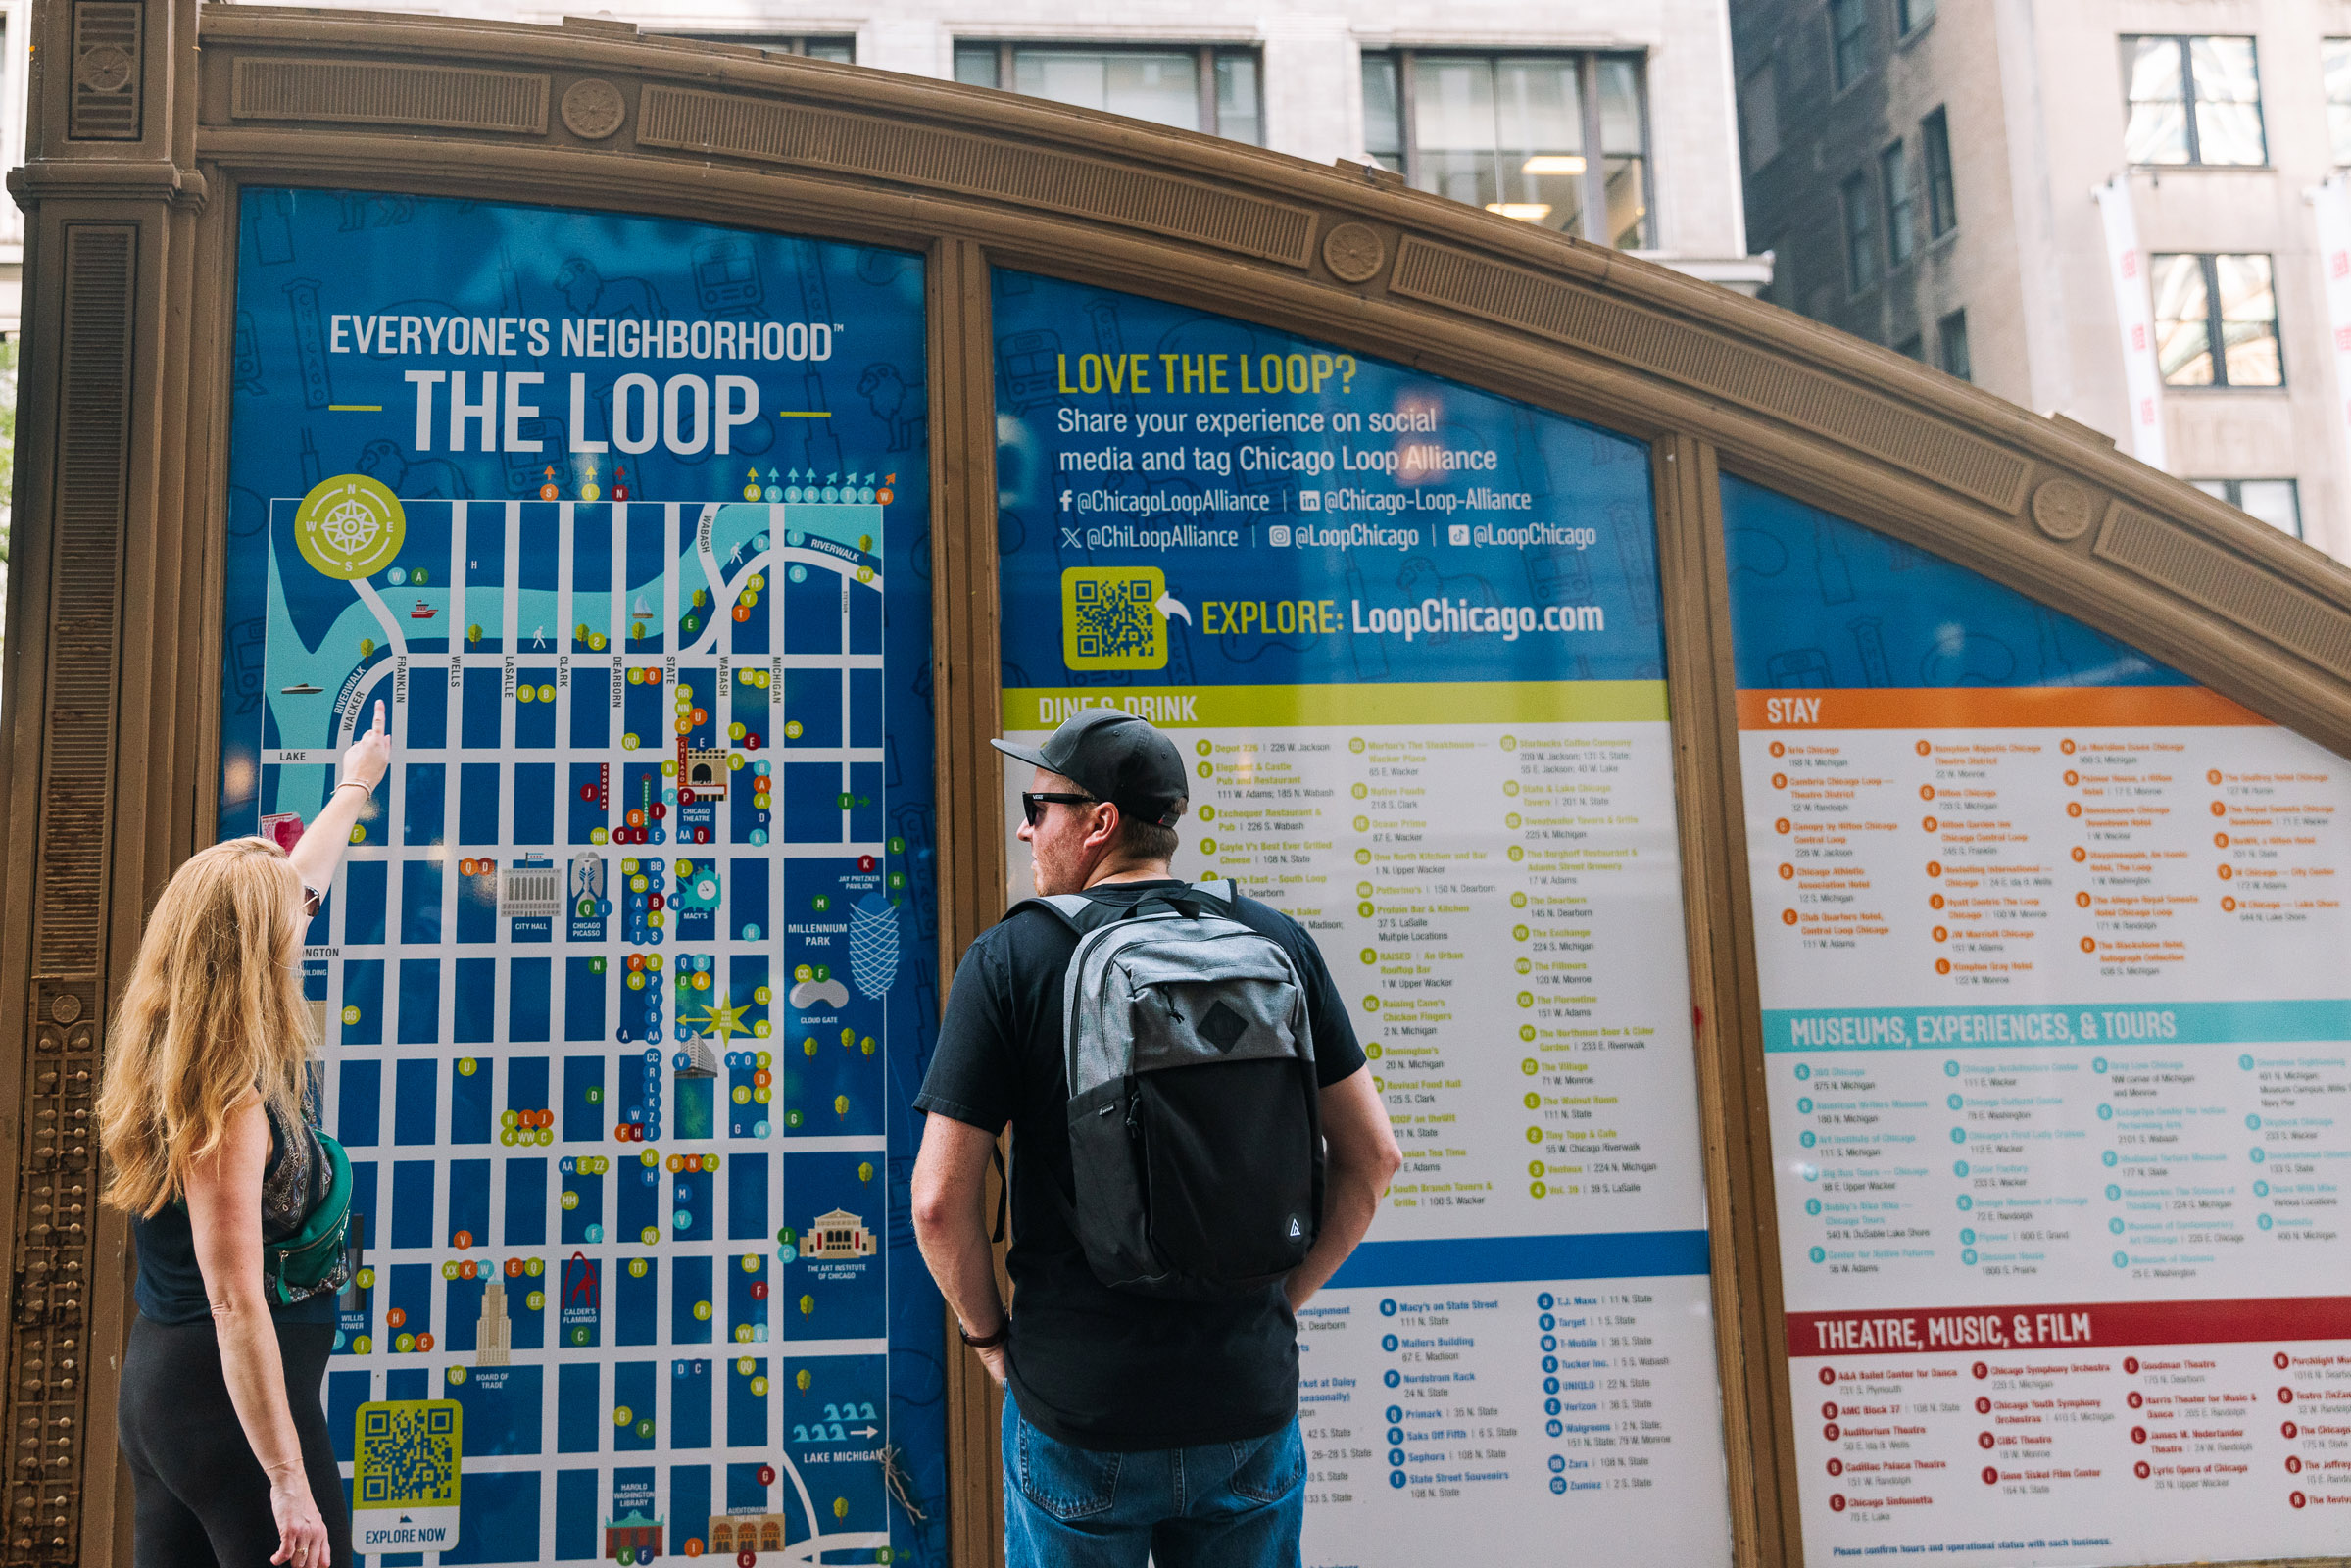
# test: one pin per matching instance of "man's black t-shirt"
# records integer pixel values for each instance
(1104, 1369)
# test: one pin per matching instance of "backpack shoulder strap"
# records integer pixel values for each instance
(1073, 910)
(1194, 900)
(1085, 915)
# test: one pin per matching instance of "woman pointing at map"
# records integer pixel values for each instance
(239, 1204)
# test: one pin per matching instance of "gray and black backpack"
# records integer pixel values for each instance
(1195, 1128)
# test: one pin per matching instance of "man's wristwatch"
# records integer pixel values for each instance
(985, 1342)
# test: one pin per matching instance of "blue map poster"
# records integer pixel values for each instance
(627, 981)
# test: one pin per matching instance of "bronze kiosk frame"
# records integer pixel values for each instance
(148, 119)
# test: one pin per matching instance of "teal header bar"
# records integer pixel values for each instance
(2123, 1026)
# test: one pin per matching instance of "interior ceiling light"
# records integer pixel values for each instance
(1553, 164)
(1524, 211)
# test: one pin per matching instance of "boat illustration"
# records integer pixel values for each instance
(422, 612)
(303, 688)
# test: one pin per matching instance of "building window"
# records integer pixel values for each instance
(1943, 198)
(815, 46)
(1861, 233)
(1204, 88)
(1759, 116)
(1913, 14)
(2334, 58)
(1952, 342)
(1902, 206)
(1239, 105)
(2276, 501)
(1913, 347)
(1849, 41)
(1384, 109)
(2199, 344)
(2192, 100)
(1515, 134)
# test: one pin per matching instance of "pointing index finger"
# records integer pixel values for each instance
(379, 716)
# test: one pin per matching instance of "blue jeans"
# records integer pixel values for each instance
(1214, 1506)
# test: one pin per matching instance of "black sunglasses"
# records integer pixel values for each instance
(1035, 803)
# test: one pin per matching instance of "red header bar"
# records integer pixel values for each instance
(1960, 1330)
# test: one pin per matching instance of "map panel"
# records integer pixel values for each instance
(1407, 636)
(631, 970)
(2055, 1037)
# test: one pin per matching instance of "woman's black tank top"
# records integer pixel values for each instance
(171, 1285)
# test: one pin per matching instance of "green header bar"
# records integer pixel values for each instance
(1574, 702)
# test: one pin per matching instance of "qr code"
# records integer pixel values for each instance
(1115, 620)
(409, 1455)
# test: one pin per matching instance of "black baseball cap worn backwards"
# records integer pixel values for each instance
(1115, 756)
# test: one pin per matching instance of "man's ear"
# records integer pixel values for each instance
(1106, 832)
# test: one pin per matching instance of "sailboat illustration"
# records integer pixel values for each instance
(641, 608)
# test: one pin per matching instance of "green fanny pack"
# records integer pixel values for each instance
(311, 1260)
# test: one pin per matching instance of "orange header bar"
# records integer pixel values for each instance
(1990, 708)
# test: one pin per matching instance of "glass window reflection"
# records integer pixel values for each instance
(2157, 129)
(2227, 91)
(2182, 335)
(1236, 98)
(1383, 110)
(2276, 501)
(1901, 205)
(1624, 166)
(2334, 62)
(1453, 131)
(2216, 321)
(2192, 100)
(1162, 88)
(1559, 140)
(2249, 320)
(1503, 135)
(1861, 233)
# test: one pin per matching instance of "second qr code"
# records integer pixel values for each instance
(1110, 618)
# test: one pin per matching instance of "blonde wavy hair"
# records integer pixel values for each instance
(214, 1012)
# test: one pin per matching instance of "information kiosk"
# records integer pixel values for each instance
(1838, 878)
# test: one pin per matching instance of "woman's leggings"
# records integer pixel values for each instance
(201, 1496)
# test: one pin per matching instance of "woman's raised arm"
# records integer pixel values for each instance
(324, 841)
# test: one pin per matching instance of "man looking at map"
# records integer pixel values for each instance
(1136, 1424)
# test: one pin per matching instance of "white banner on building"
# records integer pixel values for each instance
(2126, 274)
(2331, 203)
